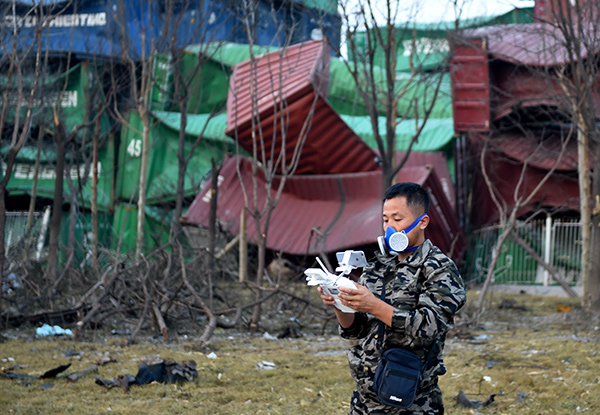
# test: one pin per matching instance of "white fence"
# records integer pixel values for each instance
(16, 229)
(558, 242)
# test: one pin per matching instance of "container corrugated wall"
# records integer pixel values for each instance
(278, 103)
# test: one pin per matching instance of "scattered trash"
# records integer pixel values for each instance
(48, 330)
(11, 375)
(264, 365)
(507, 304)
(165, 371)
(48, 374)
(11, 283)
(122, 381)
(290, 331)
(564, 308)
(15, 367)
(268, 336)
(53, 372)
(490, 364)
(487, 378)
(211, 355)
(465, 402)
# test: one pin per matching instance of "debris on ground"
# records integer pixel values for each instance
(290, 332)
(464, 401)
(158, 370)
(53, 372)
(265, 365)
(510, 304)
(564, 308)
(74, 377)
(8, 373)
(48, 330)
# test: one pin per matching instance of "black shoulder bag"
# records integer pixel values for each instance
(399, 372)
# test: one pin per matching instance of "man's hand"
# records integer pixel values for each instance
(345, 319)
(327, 299)
(361, 299)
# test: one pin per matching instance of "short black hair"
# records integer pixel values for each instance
(416, 196)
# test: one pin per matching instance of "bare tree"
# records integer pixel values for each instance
(577, 28)
(16, 103)
(274, 152)
(138, 62)
(553, 83)
(183, 82)
(73, 163)
(509, 210)
(372, 38)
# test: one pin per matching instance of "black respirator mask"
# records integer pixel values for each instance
(395, 242)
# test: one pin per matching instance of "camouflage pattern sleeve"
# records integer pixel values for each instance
(358, 329)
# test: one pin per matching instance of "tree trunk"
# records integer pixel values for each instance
(181, 159)
(33, 196)
(259, 280)
(55, 220)
(94, 207)
(143, 184)
(585, 221)
(179, 92)
(387, 176)
(591, 297)
(212, 229)
(2, 247)
(73, 214)
(491, 268)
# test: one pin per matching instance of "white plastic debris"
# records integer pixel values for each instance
(212, 355)
(268, 336)
(48, 330)
(265, 365)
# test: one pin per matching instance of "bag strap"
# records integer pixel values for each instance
(381, 328)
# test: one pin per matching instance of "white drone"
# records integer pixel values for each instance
(348, 261)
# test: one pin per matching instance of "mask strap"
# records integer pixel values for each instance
(415, 223)
(410, 228)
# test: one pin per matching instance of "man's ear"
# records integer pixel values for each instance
(424, 222)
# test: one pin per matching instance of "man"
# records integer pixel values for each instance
(423, 292)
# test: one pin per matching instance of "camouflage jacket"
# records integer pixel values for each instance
(426, 291)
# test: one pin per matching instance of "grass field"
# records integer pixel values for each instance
(532, 353)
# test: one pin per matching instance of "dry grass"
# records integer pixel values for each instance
(534, 359)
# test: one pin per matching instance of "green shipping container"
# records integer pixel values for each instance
(124, 228)
(163, 164)
(76, 82)
(427, 44)
(204, 71)
(84, 237)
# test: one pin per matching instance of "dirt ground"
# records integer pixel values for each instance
(526, 355)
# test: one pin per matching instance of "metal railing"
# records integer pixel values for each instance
(16, 229)
(558, 242)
